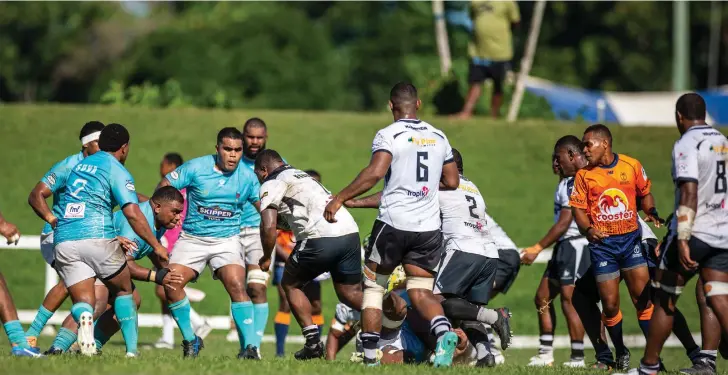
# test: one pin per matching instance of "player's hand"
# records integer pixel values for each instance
(127, 245)
(655, 220)
(529, 254)
(657, 250)
(53, 221)
(161, 252)
(331, 209)
(264, 263)
(684, 256)
(172, 278)
(594, 235)
(10, 232)
(462, 342)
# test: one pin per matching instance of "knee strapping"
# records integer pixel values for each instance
(256, 276)
(674, 290)
(417, 282)
(374, 289)
(715, 288)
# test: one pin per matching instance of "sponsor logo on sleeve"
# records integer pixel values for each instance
(174, 175)
(130, 185)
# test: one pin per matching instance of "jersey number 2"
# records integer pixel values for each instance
(473, 206)
(81, 183)
(720, 181)
(423, 173)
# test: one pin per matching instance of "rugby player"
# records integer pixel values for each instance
(217, 190)
(604, 205)
(86, 247)
(321, 246)
(170, 162)
(53, 184)
(162, 212)
(696, 240)
(416, 160)
(8, 314)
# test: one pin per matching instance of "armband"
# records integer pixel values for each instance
(159, 278)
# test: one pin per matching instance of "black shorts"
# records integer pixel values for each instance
(569, 261)
(465, 275)
(341, 256)
(706, 256)
(648, 251)
(390, 247)
(495, 71)
(509, 263)
(587, 286)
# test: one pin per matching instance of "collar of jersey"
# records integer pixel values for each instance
(277, 171)
(699, 127)
(410, 121)
(613, 163)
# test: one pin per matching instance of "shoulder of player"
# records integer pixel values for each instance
(630, 162)
(200, 162)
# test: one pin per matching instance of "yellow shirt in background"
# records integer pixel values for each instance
(492, 21)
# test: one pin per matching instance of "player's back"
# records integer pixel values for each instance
(410, 196)
(561, 201)
(303, 200)
(56, 179)
(94, 187)
(701, 155)
(123, 229)
(463, 220)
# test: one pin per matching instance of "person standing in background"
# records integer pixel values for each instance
(490, 49)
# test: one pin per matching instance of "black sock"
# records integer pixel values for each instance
(478, 336)
(312, 335)
(615, 333)
(682, 332)
(369, 342)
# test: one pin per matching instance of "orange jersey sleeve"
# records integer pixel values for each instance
(578, 197)
(643, 184)
(286, 241)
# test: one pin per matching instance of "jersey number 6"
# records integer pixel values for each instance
(423, 173)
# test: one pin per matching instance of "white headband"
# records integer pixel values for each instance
(90, 138)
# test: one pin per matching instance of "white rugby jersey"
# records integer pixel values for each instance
(463, 220)
(647, 232)
(410, 196)
(701, 155)
(561, 201)
(499, 236)
(300, 201)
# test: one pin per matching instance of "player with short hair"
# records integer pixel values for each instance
(217, 191)
(604, 205)
(299, 200)
(696, 240)
(8, 314)
(414, 159)
(53, 184)
(86, 247)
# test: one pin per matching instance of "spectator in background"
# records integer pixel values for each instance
(490, 49)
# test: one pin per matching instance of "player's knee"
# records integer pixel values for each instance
(236, 289)
(374, 289)
(258, 277)
(715, 288)
(256, 290)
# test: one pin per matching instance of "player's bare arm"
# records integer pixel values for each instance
(163, 183)
(450, 179)
(648, 207)
(268, 235)
(139, 224)
(9, 230)
(529, 254)
(582, 221)
(370, 201)
(686, 210)
(367, 178)
(162, 277)
(37, 200)
(142, 198)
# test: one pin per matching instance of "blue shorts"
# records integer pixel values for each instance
(278, 273)
(615, 253)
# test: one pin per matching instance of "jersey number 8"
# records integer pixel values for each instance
(720, 181)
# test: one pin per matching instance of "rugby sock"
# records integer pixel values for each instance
(682, 332)
(546, 343)
(126, 314)
(100, 337)
(491, 337)
(643, 318)
(318, 320)
(311, 333)
(243, 315)
(64, 339)
(283, 321)
(168, 328)
(439, 325)
(710, 355)
(195, 319)
(614, 327)
(41, 318)
(460, 309)
(260, 320)
(16, 334)
(477, 334)
(180, 310)
(369, 342)
(79, 308)
(577, 349)
(649, 369)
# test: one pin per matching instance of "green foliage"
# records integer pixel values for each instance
(152, 96)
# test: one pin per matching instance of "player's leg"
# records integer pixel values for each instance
(13, 328)
(585, 301)
(343, 257)
(166, 341)
(179, 304)
(52, 301)
(107, 325)
(546, 292)
(120, 286)
(572, 262)
(313, 293)
(233, 278)
(283, 316)
(637, 280)
(257, 282)
(704, 362)
(576, 328)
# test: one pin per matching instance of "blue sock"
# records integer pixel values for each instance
(644, 326)
(180, 311)
(79, 308)
(64, 339)
(260, 320)
(282, 321)
(41, 318)
(243, 316)
(16, 334)
(100, 337)
(126, 314)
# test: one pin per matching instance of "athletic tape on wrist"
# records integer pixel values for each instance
(685, 221)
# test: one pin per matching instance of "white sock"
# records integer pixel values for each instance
(195, 319)
(486, 315)
(168, 327)
(482, 350)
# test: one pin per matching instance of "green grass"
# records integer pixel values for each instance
(510, 164)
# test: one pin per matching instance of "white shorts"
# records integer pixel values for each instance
(46, 248)
(76, 261)
(197, 252)
(251, 245)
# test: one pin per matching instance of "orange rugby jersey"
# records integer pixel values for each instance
(286, 241)
(609, 194)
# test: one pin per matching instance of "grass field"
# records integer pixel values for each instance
(509, 163)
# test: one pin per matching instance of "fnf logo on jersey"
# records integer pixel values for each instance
(419, 194)
(214, 213)
(613, 205)
(422, 142)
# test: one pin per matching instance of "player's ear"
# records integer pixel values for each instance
(391, 106)
(418, 104)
